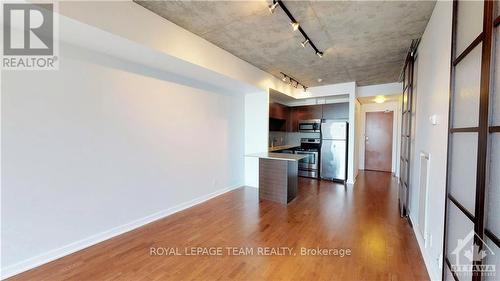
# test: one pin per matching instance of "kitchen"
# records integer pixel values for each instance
(306, 138)
(317, 131)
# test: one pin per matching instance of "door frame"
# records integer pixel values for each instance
(395, 107)
(483, 130)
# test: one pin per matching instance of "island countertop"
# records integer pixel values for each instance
(282, 147)
(278, 156)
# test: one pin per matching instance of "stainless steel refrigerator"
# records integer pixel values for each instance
(334, 139)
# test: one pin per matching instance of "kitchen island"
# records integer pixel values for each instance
(278, 176)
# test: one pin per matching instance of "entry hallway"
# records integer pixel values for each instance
(363, 218)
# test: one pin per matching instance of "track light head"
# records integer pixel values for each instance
(272, 7)
(304, 43)
(284, 78)
(305, 88)
(320, 54)
(295, 25)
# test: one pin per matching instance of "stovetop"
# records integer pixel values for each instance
(307, 149)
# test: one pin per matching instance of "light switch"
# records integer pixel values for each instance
(434, 119)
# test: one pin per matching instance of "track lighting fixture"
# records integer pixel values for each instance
(295, 26)
(305, 88)
(272, 7)
(292, 82)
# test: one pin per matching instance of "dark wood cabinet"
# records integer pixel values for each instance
(303, 113)
(279, 117)
(284, 118)
(279, 111)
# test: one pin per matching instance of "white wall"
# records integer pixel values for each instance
(256, 133)
(326, 90)
(395, 107)
(432, 98)
(92, 148)
(160, 35)
(133, 126)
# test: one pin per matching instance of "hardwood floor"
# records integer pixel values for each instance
(363, 218)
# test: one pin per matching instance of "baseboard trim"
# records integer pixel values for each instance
(55, 254)
(427, 260)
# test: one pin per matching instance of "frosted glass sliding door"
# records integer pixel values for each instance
(472, 222)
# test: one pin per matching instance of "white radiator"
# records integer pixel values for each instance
(423, 195)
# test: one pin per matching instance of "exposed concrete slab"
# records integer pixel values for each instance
(363, 41)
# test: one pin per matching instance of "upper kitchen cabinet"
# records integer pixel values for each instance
(303, 113)
(279, 117)
(336, 111)
(279, 111)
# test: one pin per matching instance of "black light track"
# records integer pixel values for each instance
(293, 80)
(292, 19)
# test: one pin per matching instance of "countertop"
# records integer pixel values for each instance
(278, 156)
(282, 147)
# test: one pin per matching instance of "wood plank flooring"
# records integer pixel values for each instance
(363, 218)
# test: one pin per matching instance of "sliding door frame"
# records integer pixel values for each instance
(407, 109)
(483, 129)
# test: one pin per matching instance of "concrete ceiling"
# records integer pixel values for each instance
(364, 42)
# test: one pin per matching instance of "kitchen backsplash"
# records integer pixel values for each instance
(289, 138)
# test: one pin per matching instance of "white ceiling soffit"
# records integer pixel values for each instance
(278, 97)
(368, 100)
(363, 41)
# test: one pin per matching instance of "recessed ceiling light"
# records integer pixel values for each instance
(379, 99)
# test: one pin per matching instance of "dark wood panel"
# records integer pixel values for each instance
(324, 214)
(303, 113)
(277, 125)
(279, 111)
(273, 180)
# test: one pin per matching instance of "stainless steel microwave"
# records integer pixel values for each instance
(310, 126)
